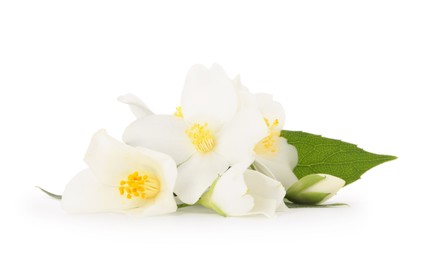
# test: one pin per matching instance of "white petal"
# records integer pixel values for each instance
(268, 193)
(197, 174)
(163, 204)
(163, 167)
(84, 194)
(112, 161)
(238, 138)
(208, 95)
(282, 163)
(138, 108)
(162, 133)
(282, 207)
(166, 172)
(267, 207)
(230, 192)
(271, 109)
(245, 98)
(263, 186)
(330, 184)
(106, 158)
(263, 169)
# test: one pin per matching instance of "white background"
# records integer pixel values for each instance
(344, 69)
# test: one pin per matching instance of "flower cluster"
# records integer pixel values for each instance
(222, 148)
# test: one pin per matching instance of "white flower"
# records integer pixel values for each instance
(241, 191)
(274, 156)
(207, 134)
(314, 189)
(122, 178)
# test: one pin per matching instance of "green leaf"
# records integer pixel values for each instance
(52, 195)
(317, 154)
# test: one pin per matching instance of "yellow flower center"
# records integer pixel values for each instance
(143, 186)
(269, 144)
(178, 112)
(201, 137)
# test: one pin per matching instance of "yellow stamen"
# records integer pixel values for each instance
(269, 144)
(273, 125)
(144, 186)
(178, 112)
(201, 137)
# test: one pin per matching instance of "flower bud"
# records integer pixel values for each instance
(314, 189)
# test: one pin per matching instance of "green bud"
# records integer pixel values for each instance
(314, 189)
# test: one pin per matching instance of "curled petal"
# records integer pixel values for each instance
(240, 192)
(137, 106)
(229, 195)
(268, 193)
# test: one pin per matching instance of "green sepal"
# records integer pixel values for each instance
(183, 205)
(303, 184)
(207, 202)
(308, 198)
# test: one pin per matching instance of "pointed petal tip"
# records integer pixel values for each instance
(124, 98)
(216, 66)
(237, 79)
(197, 67)
(100, 132)
(202, 67)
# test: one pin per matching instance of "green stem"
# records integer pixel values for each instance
(52, 195)
(293, 205)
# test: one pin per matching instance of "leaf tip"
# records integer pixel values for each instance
(387, 158)
(392, 157)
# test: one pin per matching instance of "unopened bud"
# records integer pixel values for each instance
(314, 189)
